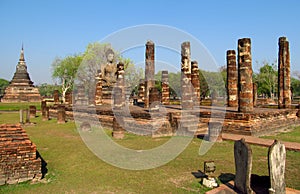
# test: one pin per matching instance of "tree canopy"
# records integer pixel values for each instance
(3, 84)
(267, 79)
(47, 89)
(64, 70)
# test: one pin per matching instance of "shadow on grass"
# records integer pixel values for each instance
(226, 177)
(199, 174)
(44, 169)
(259, 184)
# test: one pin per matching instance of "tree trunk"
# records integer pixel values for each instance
(64, 94)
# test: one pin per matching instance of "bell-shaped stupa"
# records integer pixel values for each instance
(21, 88)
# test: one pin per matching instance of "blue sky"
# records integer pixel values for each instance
(58, 28)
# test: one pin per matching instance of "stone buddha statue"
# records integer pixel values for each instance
(109, 69)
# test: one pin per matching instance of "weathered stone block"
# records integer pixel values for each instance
(276, 156)
(19, 161)
(243, 166)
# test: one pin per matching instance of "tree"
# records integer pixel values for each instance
(175, 84)
(47, 89)
(83, 68)
(3, 84)
(204, 89)
(93, 58)
(210, 82)
(295, 86)
(133, 74)
(65, 71)
(267, 79)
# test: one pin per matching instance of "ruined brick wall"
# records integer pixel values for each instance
(18, 159)
(261, 122)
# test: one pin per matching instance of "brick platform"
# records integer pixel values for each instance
(18, 156)
(261, 121)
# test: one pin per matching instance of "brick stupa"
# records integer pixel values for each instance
(21, 88)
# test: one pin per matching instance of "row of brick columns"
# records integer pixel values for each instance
(190, 71)
(239, 79)
(61, 112)
(241, 91)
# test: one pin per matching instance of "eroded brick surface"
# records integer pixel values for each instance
(149, 71)
(232, 79)
(245, 85)
(18, 158)
(284, 79)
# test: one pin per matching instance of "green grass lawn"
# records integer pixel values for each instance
(17, 106)
(73, 168)
(292, 136)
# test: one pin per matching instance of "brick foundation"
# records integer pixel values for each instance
(18, 156)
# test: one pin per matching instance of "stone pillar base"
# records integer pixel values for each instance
(118, 134)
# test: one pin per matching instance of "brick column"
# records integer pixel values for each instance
(165, 95)
(154, 98)
(141, 95)
(43, 107)
(195, 82)
(186, 86)
(32, 111)
(119, 89)
(46, 115)
(118, 130)
(61, 114)
(68, 97)
(21, 116)
(27, 116)
(81, 96)
(232, 79)
(56, 96)
(245, 85)
(149, 71)
(254, 94)
(284, 79)
(91, 96)
(98, 93)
